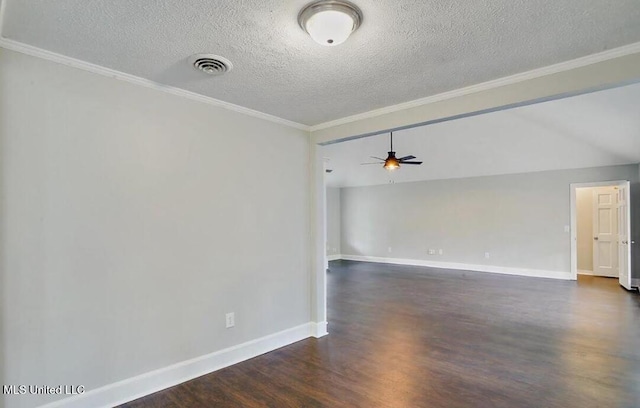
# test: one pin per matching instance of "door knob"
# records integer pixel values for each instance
(595, 238)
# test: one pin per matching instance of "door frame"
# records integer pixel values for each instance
(574, 220)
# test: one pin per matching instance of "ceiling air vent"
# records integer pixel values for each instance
(211, 64)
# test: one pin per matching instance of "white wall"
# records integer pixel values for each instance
(519, 219)
(584, 221)
(132, 221)
(635, 228)
(333, 221)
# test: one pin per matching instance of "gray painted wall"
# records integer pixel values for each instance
(333, 221)
(126, 233)
(519, 219)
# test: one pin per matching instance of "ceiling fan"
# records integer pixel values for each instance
(391, 162)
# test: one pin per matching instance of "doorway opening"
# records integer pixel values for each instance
(453, 148)
(600, 217)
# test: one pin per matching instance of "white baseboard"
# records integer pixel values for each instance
(538, 273)
(584, 272)
(334, 257)
(157, 380)
(635, 283)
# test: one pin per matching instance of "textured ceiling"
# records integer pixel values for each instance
(404, 50)
(592, 130)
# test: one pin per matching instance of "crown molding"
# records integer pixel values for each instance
(97, 69)
(484, 86)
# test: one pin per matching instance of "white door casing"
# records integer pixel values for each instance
(605, 231)
(624, 248)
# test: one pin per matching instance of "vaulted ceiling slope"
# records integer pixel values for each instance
(404, 50)
(591, 130)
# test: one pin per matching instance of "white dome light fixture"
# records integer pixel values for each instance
(330, 22)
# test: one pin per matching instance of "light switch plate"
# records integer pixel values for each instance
(230, 320)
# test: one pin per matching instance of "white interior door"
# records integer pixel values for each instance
(605, 231)
(624, 249)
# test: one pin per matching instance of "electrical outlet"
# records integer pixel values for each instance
(389, 249)
(567, 228)
(230, 320)
(486, 255)
(440, 251)
(432, 251)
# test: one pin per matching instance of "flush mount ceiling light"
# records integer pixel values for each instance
(330, 22)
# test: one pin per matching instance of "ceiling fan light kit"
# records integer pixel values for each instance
(330, 22)
(391, 163)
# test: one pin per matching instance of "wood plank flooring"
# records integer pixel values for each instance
(404, 336)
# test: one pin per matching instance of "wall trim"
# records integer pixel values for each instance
(584, 272)
(334, 257)
(2, 11)
(537, 273)
(122, 76)
(484, 86)
(496, 83)
(319, 329)
(139, 386)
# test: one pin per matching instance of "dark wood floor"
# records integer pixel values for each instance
(417, 337)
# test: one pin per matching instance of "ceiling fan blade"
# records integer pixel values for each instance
(377, 158)
(406, 158)
(410, 162)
